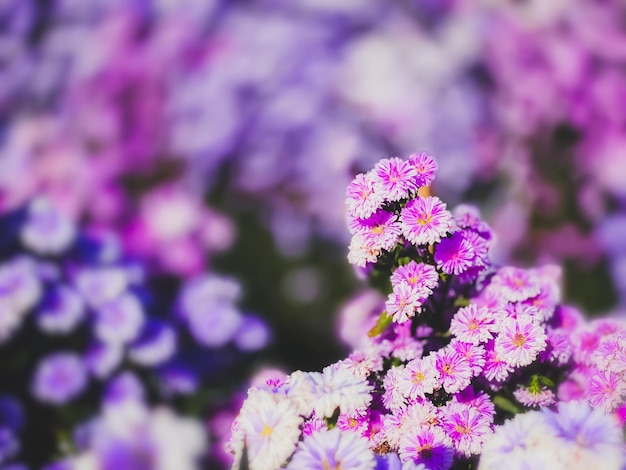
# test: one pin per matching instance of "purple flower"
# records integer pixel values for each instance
(333, 449)
(425, 220)
(428, 445)
(59, 378)
(214, 325)
(125, 386)
(61, 311)
(155, 345)
(119, 321)
(20, 289)
(592, 430)
(46, 232)
(253, 334)
(103, 358)
(395, 178)
(101, 285)
(380, 231)
(454, 254)
(9, 445)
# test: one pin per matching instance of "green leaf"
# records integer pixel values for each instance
(546, 381)
(383, 322)
(505, 404)
(462, 302)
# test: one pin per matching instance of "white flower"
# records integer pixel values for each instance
(268, 426)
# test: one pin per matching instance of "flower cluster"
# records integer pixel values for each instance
(462, 346)
(84, 326)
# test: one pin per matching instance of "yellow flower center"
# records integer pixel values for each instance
(418, 376)
(267, 430)
(519, 340)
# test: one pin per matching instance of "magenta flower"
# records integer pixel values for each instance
(427, 445)
(520, 341)
(474, 353)
(403, 303)
(466, 427)
(421, 276)
(425, 220)
(362, 198)
(472, 324)
(454, 370)
(454, 254)
(380, 231)
(395, 178)
(425, 167)
(418, 378)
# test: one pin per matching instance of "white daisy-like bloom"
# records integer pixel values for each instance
(524, 442)
(360, 252)
(299, 389)
(326, 449)
(337, 387)
(47, 232)
(268, 426)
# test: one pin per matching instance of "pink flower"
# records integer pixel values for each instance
(425, 220)
(472, 324)
(474, 353)
(606, 390)
(403, 303)
(520, 341)
(421, 276)
(362, 198)
(529, 397)
(454, 370)
(392, 398)
(361, 252)
(515, 284)
(496, 369)
(395, 179)
(466, 427)
(418, 378)
(425, 167)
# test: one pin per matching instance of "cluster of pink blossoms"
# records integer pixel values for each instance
(461, 348)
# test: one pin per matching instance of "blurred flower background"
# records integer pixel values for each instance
(173, 175)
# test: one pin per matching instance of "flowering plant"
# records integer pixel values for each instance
(460, 350)
(83, 328)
